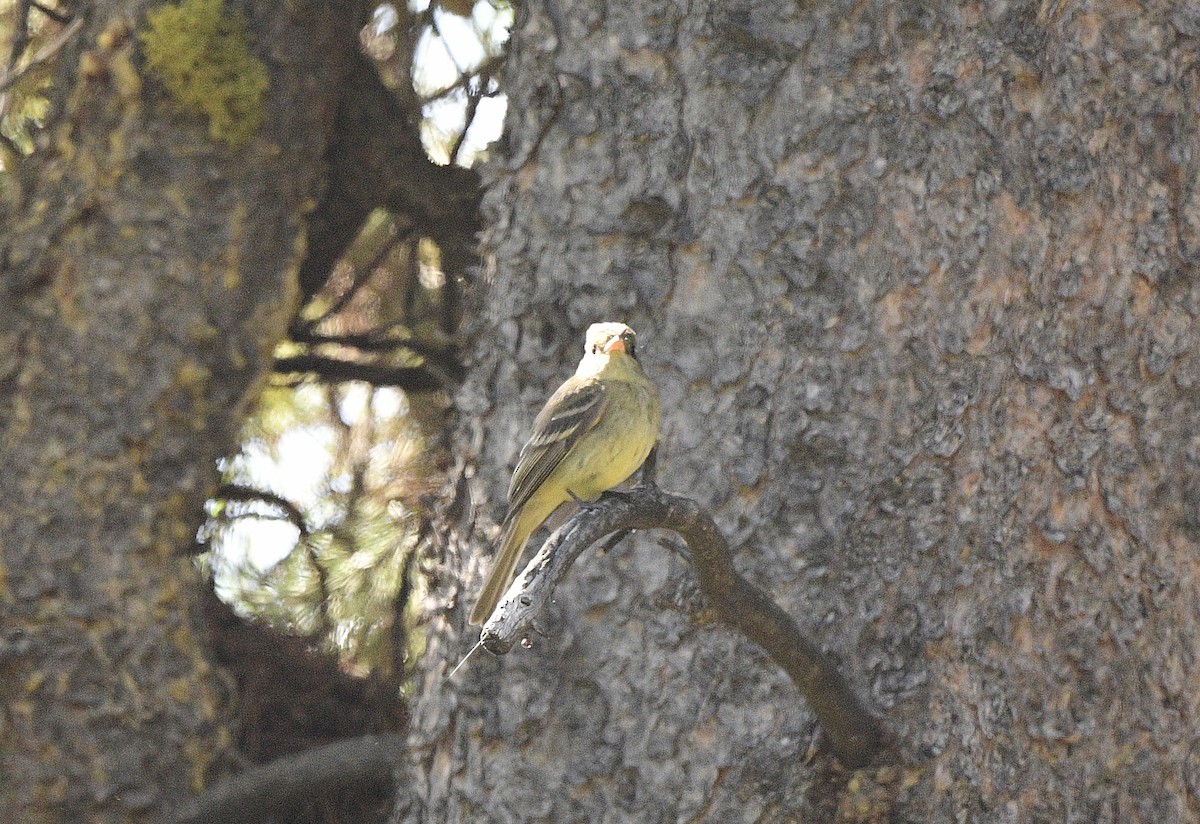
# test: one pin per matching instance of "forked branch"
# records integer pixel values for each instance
(856, 736)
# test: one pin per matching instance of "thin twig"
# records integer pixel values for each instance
(248, 494)
(54, 14)
(468, 118)
(363, 275)
(43, 54)
(410, 378)
(437, 27)
(856, 736)
(20, 35)
(461, 83)
(412, 282)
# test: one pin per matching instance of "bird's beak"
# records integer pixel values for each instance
(614, 345)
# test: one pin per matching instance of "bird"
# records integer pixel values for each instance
(594, 432)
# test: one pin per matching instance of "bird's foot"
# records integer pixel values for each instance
(584, 506)
(649, 472)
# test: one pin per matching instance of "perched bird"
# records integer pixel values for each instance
(593, 433)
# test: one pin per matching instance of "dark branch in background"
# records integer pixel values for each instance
(324, 597)
(248, 494)
(457, 257)
(20, 36)
(488, 69)
(377, 160)
(443, 358)
(12, 74)
(411, 283)
(362, 276)
(334, 370)
(473, 98)
(54, 14)
(459, 68)
(286, 784)
(856, 736)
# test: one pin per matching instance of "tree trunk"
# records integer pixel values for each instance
(918, 286)
(148, 273)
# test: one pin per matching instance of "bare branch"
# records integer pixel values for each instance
(409, 378)
(468, 118)
(444, 357)
(19, 38)
(12, 75)
(855, 734)
(248, 494)
(54, 14)
(288, 783)
(488, 69)
(363, 275)
(377, 159)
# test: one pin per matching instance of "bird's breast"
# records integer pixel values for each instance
(619, 443)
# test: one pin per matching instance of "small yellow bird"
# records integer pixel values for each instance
(592, 435)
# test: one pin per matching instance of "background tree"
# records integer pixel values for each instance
(185, 184)
(918, 285)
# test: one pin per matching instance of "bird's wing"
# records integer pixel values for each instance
(572, 411)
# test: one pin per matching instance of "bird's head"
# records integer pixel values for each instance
(610, 338)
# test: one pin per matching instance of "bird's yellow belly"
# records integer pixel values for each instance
(616, 447)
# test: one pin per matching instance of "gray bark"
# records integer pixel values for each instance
(148, 273)
(918, 285)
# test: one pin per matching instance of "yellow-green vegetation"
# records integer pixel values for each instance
(198, 49)
(26, 109)
(353, 462)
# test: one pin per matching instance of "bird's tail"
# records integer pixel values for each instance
(515, 536)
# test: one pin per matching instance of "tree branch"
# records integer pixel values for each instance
(377, 160)
(287, 783)
(54, 14)
(248, 494)
(489, 69)
(12, 74)
(855, 734)
(361, 277)
(409, 378)
(446, 358)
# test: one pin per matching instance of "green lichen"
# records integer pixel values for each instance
(198, 49)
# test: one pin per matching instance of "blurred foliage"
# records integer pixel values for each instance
(318, 522)
(25, 111)
(449, 53)
(323, 504)
(319, 515)
(29, 34)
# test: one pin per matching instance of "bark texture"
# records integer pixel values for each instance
(148, 274)
(918, 285)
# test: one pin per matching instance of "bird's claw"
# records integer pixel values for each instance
(584, 506)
